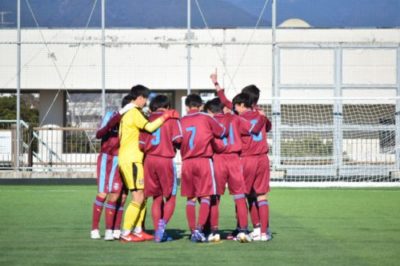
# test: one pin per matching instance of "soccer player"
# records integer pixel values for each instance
(131, 161)
(255, 163)
(160, 177)
(227, 165)
(253, 93)
(109, 183)
(198, 180)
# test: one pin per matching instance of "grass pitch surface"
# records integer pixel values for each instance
(50, 225)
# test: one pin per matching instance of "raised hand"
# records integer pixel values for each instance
(214, 77)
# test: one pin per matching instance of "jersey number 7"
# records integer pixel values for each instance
(192, 130)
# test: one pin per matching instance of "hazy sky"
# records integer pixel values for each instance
(171, 13)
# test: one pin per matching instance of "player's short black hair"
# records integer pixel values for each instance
(127, 99)
(253, 92)
(160, 101)
(215, 106)
(193, 100)
(242, 98)
(139, 90)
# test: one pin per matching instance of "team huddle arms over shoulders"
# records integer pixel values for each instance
(222, 144)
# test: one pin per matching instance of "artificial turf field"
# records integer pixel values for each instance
(50, 225)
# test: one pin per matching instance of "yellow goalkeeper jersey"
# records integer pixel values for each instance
(131, 123)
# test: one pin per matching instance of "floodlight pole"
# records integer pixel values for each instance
(18, 84)
(103, 58)
(276, 107)
(189, 39)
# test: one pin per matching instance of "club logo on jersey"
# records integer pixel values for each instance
(116, 186)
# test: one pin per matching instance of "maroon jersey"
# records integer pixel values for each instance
(108, 133)
(198, 131)
(237, 127)
(227, 103)
(161, 142)
(254, 144)
(224, 100)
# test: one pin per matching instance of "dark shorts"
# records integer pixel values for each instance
(256, 173)
(160, 176)
(228, 170)
(198, 178)
(108, 177)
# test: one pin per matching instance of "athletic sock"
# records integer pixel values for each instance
(203, 213)
(263, 209)
(156, 210)
(131, 215)
(140, 220)
(191, 214)
(118, 218)
(253, 209)
(120, 212)
(214, 213)
(169, 208)
(97, 209)
(110, 214)
(138, 229)
(241, 211)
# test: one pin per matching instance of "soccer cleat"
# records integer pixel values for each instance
(117, 234)
(160, 231)
(214, 237)
(198, 237)
(95, 234)
(256, 234)
(108, 235)
(265, 237)
(166, 238)
(143, 235)
(242, 237)
(131, 238)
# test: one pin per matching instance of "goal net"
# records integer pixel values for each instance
(337, 140)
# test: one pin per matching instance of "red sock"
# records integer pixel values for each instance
(263, 210)
(255, 218)
(241, 211)
(191, 214)
(156, 210)
(203, 212)
(214, 213)
(120, 212)
(118, 218)
(97, 209)
(110, 214)
(169, 207)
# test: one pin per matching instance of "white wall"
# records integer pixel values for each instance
(158, 59)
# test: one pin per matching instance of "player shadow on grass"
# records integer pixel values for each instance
(176, 234)
(226, 232)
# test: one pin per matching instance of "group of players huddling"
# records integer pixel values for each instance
(222, 143)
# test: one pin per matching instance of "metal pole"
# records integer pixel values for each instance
(276, 108)
(103, 58)
(189, 39)
(273, 24)
(18, 83)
